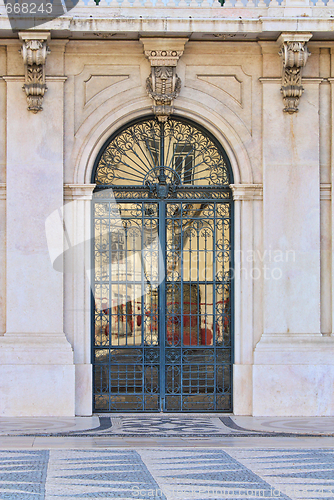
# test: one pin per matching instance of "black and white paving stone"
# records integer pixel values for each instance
(166, 425)
(168, 473)
(23, 474)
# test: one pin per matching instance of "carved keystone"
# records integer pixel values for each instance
(163, 85)
(294, 54)
(34, 51)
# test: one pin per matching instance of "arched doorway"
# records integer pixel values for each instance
(162, 270)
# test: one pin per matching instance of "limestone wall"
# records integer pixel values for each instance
(282, 167)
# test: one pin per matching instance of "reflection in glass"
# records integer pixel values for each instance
(162, 265)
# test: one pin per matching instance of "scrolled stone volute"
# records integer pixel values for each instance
(294, 54)
(34, 51)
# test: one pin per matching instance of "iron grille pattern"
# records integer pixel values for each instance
(135, 155)
(162, 271)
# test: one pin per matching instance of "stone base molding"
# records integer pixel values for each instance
(293, 390)
(293, 375)
(83, 389)
(242, 389)
(294, 348)
(37, 375)
(35, 348)
(37, 390)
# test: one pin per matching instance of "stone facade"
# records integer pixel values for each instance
(259, 78)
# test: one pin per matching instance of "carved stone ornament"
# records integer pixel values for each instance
(294, 54)
(163, 85)
(34, 51)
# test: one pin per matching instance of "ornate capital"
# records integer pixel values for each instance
(294, 54)
(247, 192)
(34, 51)
(78, 191)
(163, 57)
(2, 191)
(325, 192)
(163, 85)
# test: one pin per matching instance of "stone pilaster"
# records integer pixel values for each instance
(293, 363)
(331, 80)
(247, 281)
(36, 359)
(77, 265)
(2, 258)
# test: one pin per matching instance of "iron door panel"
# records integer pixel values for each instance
(126, 346)
(162, 306)
(198, 341)
(163, 270)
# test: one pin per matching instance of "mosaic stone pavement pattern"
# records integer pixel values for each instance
(168, 474)
(167, 425)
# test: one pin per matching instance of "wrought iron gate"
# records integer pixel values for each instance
(162, 271)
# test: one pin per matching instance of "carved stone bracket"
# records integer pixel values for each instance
(163, 85)
(34, 51)
(294, 54)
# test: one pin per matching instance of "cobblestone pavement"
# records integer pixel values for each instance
(167, 473)
(167, 425)
(166, 456)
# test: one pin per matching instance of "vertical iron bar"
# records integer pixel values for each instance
(93, 299)
(214, 291)
(162, 294)
(181, 283)
(162, 302)
(118, 309)
(142, 277)
(206, 320)
(231, 293)
(126, 285)
(110, 303)
(198, 271)
(162, 148)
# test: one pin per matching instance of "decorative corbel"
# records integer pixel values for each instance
(163, 85)
(34, 51)
(294, 54)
